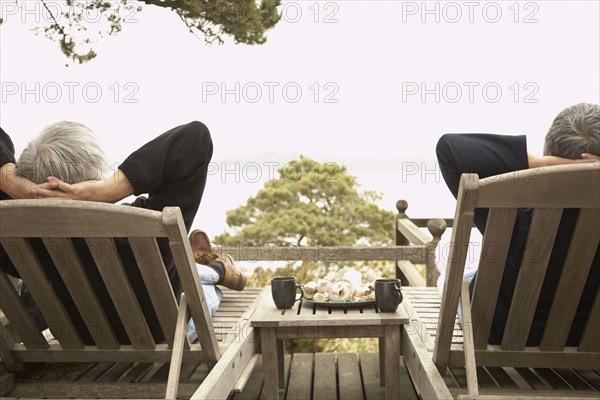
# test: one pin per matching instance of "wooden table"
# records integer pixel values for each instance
(307, 321)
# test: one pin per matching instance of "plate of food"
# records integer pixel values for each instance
(332, 304)
(346, 288)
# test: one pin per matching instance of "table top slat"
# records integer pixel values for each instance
(305, 314)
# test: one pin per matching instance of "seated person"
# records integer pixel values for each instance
(574, 137)
(65, 161)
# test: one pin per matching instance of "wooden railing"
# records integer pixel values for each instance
(413, 247)
(408, 232)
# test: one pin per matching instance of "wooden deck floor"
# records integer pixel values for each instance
(424, 305)
(327, 376)
(321, 376)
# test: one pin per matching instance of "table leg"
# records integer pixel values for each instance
(382, 361)
(270, 367)
(280, 362)
(392, 362)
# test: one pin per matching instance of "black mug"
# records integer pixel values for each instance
(284, 291)
(387, 294)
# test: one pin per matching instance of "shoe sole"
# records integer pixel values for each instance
(201, 247)
(236, 280)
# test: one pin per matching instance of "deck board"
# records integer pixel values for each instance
(358, 378)
(590, 377)
(325, 382)
(504, 381)
(350, 385)
(253, 387)
(311, 377)
(369, 366)
(300, 383)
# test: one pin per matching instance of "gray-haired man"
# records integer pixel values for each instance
(573, 137)
(65, 161)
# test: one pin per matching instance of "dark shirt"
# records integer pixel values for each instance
(7, 155)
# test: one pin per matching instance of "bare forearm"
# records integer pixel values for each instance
(546, 161)
(115, 188)
(14, 185)
(534, 161)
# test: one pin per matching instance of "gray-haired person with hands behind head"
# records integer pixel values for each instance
(65, 161)
(573, 137)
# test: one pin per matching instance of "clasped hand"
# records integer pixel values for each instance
(58, 189)
(109, 190)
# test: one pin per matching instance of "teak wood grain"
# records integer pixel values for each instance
(548, 192)
(308, 321)
(77, 237)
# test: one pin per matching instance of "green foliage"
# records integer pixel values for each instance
(310, 204)
(244, 20)
(75, 24)
(308, 271)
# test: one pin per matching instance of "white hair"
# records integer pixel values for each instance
(575, 130)
(66, 150)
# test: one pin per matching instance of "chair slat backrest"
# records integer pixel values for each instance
(15, 310)
(491, 268)
(572, 280)
(531, 273)
(146, 252)
(32, 272)
(112, 270)
(548, 191)
(73, 274)
(55, 227)
(589, 339)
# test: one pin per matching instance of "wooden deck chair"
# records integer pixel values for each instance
(56, 223)
(512, 369)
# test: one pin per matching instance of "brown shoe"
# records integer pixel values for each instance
(201, 247)
(234, 279)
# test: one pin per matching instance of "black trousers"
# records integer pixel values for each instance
(170, 170)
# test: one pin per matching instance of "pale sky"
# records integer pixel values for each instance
(367, 84)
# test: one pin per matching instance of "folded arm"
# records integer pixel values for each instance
(110, 190)
(546, 161)
(19, 187)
